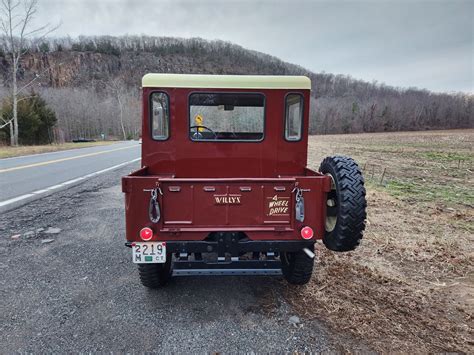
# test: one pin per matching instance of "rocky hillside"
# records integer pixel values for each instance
(341, 104)
(64, 63)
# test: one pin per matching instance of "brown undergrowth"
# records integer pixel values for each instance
(409, 286)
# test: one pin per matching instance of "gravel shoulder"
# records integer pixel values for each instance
(77, 290)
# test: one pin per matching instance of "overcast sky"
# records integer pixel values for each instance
(423, 43)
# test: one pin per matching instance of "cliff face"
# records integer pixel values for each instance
(81, 69)
(63, 69)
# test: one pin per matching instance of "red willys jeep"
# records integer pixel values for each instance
(224, 188)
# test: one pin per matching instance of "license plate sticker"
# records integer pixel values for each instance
(149, 253)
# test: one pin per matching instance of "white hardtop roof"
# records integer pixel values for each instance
(226, 81)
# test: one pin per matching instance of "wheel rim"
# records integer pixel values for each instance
(331, 207)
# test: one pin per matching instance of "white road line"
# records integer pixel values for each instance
(54, 187)
(39, 192)
(12, 200)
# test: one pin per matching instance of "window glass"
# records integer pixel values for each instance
(160, 116)
(226, 116)
(294, 117)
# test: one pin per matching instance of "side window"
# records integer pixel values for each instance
(159, 115)
(293, 117)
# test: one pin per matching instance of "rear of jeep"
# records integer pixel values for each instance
(224, 187)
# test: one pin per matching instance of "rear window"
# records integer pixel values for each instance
(226, 117)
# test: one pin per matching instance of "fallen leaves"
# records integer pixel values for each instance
(392, 292)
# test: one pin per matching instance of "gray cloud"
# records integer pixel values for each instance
(428, 44)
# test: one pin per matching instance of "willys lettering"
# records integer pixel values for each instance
(227, 200)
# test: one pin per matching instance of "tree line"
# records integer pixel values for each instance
(100, 94)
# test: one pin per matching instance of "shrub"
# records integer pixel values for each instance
(35, 120)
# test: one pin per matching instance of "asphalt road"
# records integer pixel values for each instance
(76, 289)
(68, 284)
(23, 179)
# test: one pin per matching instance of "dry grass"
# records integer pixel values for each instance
(9, 152)
(409, 287)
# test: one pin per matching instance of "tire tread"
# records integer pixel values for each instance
(154, 275)
(298, 271)
(352, 203)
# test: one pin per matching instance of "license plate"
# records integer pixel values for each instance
(149, 253)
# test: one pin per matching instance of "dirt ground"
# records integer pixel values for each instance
(409, 287)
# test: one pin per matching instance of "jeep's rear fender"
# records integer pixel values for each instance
(191, 208)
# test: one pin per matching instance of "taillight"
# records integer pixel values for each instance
(307, 233)
(146, 234)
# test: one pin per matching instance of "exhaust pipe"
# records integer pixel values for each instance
(309, 253)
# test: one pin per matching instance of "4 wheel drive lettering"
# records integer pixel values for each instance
(279, 203)
(278, 211)
(227, 200)
(278, 206)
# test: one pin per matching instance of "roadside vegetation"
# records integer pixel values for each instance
(9, 152)
(409, 286)
(36, 119)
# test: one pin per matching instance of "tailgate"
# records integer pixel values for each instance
(227, 202)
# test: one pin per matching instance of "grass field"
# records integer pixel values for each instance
(9, 152)
(409, 287)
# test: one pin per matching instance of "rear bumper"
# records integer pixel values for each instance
(234, 246)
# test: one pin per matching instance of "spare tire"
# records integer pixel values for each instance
(346, 204)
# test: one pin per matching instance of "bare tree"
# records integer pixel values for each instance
(117, 88)
(15, 23)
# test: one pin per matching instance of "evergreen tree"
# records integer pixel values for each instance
(35, 119)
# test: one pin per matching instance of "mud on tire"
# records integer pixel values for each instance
(346, 204)
(155, 275)
(297, 267)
